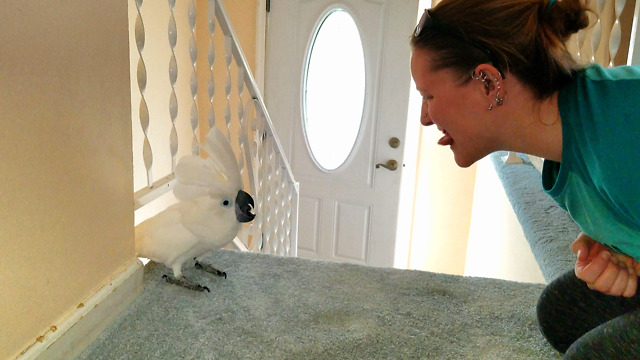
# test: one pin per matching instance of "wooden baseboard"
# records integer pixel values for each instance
(86, 322)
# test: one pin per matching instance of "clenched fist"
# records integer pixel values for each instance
(603, 270)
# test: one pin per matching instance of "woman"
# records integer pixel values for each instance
(496, 75)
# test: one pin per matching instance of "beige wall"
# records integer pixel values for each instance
(243, 15)
(442, 209)
(66, 210)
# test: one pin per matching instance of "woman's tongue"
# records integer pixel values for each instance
(446, 139)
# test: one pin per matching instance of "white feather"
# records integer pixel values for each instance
(218, 173)
(222, 157)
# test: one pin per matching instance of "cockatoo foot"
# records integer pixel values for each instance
(210, 269)
(185, 283)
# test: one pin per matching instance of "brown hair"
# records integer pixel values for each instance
(524, 37)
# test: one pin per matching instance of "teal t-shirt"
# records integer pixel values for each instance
(598, 180)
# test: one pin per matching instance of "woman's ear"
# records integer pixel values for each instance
(492, 84)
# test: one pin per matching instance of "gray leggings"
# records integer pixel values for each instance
(586, 324)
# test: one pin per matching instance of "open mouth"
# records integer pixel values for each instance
(446, 139)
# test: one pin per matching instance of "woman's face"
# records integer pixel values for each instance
(458, 110)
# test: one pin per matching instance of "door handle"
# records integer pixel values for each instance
(390, 165)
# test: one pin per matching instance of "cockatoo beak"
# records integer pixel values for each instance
(244, 207)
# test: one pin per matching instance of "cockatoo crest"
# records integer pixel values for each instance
(217, 174)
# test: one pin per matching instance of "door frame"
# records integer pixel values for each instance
(411, 150)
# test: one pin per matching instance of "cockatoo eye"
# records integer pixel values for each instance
(226, 203)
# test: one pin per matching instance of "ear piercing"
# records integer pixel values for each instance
(482, 77)
(499, 100)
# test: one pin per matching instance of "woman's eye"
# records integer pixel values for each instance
(427, 98)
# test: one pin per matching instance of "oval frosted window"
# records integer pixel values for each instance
(334, 90)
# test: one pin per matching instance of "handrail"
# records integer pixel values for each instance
(252, 86)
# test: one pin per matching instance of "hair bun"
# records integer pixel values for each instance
(567, 17)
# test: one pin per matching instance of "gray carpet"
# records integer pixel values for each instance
(548, 228)
(286, 308)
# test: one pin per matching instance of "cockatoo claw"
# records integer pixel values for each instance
(185, 283)
(210, 269)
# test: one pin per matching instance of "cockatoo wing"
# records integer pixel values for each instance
(186, 230)
(215, 175)
(163, 237)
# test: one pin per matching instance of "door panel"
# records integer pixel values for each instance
(351, 233)
(308, 224)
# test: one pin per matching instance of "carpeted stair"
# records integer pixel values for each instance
(284, 308)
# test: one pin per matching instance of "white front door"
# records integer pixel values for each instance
(348, 206)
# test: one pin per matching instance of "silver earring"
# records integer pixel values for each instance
(483, 78)
(499, 100)
(484, 81)
(490, 106)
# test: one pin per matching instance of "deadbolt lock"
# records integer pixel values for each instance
(394, 142)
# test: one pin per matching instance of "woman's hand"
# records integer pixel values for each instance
(609, 273)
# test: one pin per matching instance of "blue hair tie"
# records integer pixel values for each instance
(550, 4)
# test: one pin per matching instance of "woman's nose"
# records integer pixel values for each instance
(424, 117)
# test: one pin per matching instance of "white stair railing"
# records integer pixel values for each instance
(265, 169)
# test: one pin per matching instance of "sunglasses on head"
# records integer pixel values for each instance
(427, 21)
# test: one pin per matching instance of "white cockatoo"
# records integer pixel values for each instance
(208, 215)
